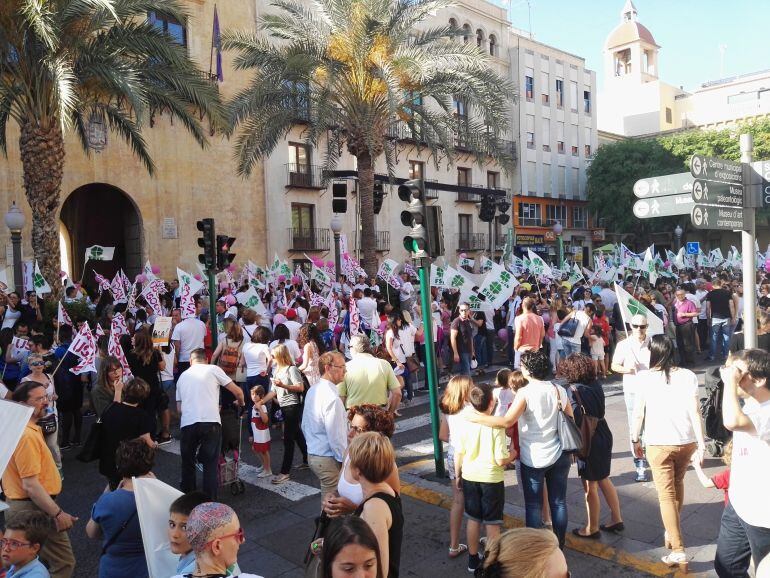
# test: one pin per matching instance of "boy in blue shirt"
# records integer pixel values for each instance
(179, 512)
(25, 534)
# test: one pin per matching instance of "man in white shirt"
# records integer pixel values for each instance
(744, 532)
(608, 296)
(574, 344)
(188, 335)
(292, 324)
(406, 293)
(197, 397)
(324, 423)
(513, 304)
(367, 306)
(631, 356)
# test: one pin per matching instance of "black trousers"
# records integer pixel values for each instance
(292, 416)
(737, 543)
(685, 342)
(201, 441)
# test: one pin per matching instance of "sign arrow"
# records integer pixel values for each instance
(663, 186)
(717, 218)
(663, 206)
(717, 193)
(716, 169)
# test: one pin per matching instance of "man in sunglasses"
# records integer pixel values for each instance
(215, 534)
(631, 356)
(461, 339)
(744, 532)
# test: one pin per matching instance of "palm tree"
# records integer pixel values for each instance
(64, 61)
(361, 72)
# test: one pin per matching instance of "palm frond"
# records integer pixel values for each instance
(122, 124)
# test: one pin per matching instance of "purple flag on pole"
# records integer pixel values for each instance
(216, 42)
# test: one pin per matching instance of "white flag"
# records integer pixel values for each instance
(39, 283)
(188, 286)
(84, 346)
(537, 266)
(99, 253)
(630, 307)
(250, 298)
(62, 317)
(3, 280)
(148, 271)
(648, 266)
(153, 500)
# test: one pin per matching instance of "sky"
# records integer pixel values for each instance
(689, 33)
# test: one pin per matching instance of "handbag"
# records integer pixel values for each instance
(412, 363)
(569, 433)
(92, 448)
(587, 427)
(240, 372)
(48, 424)
(314, 559)
(568, 328)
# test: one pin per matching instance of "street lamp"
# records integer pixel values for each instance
(558, 230)
(678, 233)
(336, 227)
(14, 220)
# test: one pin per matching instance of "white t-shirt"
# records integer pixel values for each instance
(366, 309)
(167, 374)
(291, 345)
(255, 355)
(190, 333)
(406, 336)
(249, 330)
(583, 320)
(198, 390)
(749, 469)
(700, 295)
(504, 397)
(406, 291)
(630, 353)
(293, 328)
(667, 406)
(538, 435)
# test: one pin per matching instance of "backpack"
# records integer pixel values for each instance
(228, 359)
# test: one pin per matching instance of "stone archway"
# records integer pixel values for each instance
(101, 214)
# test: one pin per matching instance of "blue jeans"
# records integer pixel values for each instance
(408, 383)
(555, 477)
(465, 364)
(509, 345)
(737, 543)
(480, 346)
(720, 332)
(570, 348)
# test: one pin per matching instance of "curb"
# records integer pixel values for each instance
(590, 548)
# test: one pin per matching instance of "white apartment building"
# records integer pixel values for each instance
(549, 177)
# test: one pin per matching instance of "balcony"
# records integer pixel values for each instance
(381, 242)
(309, 239)
(303, 176)
(468, 197)
(431, 194)
(471, 241)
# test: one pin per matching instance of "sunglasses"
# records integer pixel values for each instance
(240, 536)
(639, 326)
(36, 363)
(13, 544)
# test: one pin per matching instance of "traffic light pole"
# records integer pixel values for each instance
(748, 245)
(431, 373)
(212, 278)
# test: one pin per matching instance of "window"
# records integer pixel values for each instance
(560, 137)
(587, 150)
(545, 124)
(587, 101)
(560, 147)
(463, 177)
(560, 93)
(546, 84)
(573, 95)
(299, 158)
(302, 219)
(532, 177)
(465, 228)
(547, 184)
(561, 180)
(298, 99)
(529, 215)
(580, 217)
(529, 84)
(574, 139)
(556, 213)
(669, 116)
(305, 266)
(480, 38)
(459, 106)
(466, 33)
(492, 45)
(170, 25)
(587, 142)
(741, 97)
(493, 180)
(575, 182)
(416, 170)
(530, 131)
(453, 24)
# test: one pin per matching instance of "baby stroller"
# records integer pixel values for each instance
(230, 458)
(711, 410)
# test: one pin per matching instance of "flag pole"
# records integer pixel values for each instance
(83, 272)
(211, 51)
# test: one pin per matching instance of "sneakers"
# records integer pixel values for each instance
(163, 440)
(280, 479)
(641, 474)
(264, 474)
(474, 562)
(65, 446)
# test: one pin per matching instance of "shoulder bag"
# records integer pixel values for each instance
(587, 426)
(568, 327)
(92, 448)
(117, 534)
(569, 433)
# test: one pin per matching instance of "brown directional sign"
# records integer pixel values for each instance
(717, 218)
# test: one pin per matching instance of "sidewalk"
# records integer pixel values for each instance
(641, 544)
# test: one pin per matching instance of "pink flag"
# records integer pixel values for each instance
(355, 318)
(99, 330)
(152, 299)
(104, 284)
(159, 286)
(114, 349)
(84, 346)
(63, 317)
(126, 282)
(118, 289)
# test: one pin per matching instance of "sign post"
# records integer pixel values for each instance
(747, 241)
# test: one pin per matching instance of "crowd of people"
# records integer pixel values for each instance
(332, 369)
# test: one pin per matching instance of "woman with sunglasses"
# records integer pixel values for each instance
(669, 409)
(216, 535)
(37, 366)
(349, 495)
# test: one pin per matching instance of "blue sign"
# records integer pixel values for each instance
(693, 248)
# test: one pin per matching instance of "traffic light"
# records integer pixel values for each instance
(378, 196)
(487, 209)
(503, 206)
(340, 197)
(416, 242)
(224, 256)
(207, 242)
(435, 231)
